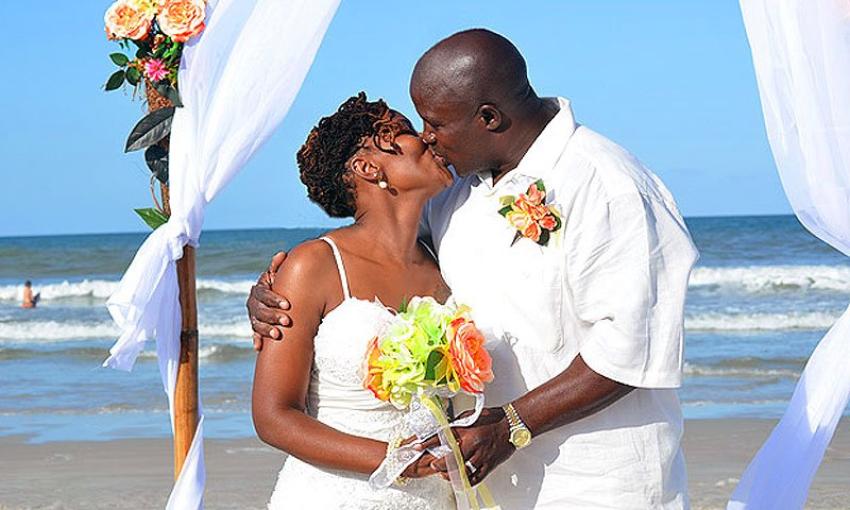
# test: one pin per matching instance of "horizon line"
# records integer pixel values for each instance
(244, 229)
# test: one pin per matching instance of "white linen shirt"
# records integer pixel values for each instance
(610, 285)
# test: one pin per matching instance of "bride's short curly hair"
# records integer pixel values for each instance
(331, 143)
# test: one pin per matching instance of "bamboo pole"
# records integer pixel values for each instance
(186, 389)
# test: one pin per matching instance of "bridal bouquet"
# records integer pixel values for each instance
(426, 354)
(427, 347)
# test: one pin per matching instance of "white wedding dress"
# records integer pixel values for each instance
(338, 399)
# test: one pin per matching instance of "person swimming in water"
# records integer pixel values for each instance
(30, 300)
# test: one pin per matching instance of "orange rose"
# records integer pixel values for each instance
(470, 360)
(548, 222)
(374, 374)
(532, 231)
(182, 19)
(126, 21)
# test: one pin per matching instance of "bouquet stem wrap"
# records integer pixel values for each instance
(426, 418)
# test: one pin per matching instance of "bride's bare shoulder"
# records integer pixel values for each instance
(307, 267)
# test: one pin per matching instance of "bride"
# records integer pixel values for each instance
(365, 161)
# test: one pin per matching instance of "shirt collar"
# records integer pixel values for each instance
(547, 148)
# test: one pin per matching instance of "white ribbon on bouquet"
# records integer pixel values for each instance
(237, 82)
(801, 54)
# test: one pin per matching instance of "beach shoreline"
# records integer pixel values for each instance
(136, 473)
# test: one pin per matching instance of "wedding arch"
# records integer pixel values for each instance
(800, 53)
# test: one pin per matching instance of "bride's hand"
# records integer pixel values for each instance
(422, 466)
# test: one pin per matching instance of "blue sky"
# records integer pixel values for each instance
(671, 81)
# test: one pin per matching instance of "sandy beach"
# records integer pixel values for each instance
(135, 473)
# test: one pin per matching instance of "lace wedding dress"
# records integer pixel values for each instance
(337, 398)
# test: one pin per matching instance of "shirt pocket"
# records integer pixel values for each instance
(533, 288)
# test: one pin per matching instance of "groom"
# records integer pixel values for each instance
(586, 312)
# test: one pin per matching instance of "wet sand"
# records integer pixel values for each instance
(136, 473)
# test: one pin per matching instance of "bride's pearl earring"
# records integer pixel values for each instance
(383, 184)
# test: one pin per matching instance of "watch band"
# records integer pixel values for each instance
(520, 435)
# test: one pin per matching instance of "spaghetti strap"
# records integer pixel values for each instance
(341, 268)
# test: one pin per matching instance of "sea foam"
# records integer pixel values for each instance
(773, 278)
(102, 289)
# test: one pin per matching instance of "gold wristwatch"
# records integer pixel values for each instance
(520, 435)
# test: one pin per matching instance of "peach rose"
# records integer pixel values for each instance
(126, 21)
(548, 222)
(535, 196)
(469, 359)
(182, 19)
(535, 211)
(532, 231)
(374, 375)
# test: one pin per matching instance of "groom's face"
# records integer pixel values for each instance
(453, 133)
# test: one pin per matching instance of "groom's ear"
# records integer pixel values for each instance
(490, 117)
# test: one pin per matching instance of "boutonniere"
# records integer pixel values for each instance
(530, 215)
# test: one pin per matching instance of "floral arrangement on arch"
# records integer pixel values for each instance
(152, 34)
(158, 29)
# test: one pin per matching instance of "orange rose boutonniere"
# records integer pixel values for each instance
(530, 214)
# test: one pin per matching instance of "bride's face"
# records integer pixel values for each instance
(407, 163)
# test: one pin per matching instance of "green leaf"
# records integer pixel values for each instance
(151, 129)
(134, 76)
(540, 186)
(505, 210)
(434, 358)
(157, 159)
(115, 81)
(152, 217)
(119, 59)
(507, 200)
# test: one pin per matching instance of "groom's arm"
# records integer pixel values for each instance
(268, 310)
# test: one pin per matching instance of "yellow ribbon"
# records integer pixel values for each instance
(469, 492)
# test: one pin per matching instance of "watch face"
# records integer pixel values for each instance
(520, 437)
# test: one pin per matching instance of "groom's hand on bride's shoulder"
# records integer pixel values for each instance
(267, 310)
(485, 444)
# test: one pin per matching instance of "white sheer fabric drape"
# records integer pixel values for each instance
(237, 82)
(801, 54)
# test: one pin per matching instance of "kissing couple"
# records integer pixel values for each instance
(573, 259)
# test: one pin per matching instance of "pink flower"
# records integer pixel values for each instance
(155, 69)
(182, 19)
(125, 21)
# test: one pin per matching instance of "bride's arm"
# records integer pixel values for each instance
(282, 374)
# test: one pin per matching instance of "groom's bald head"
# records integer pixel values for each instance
(474, 66)
(472, 91)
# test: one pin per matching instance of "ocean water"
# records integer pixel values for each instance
(764, 292)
